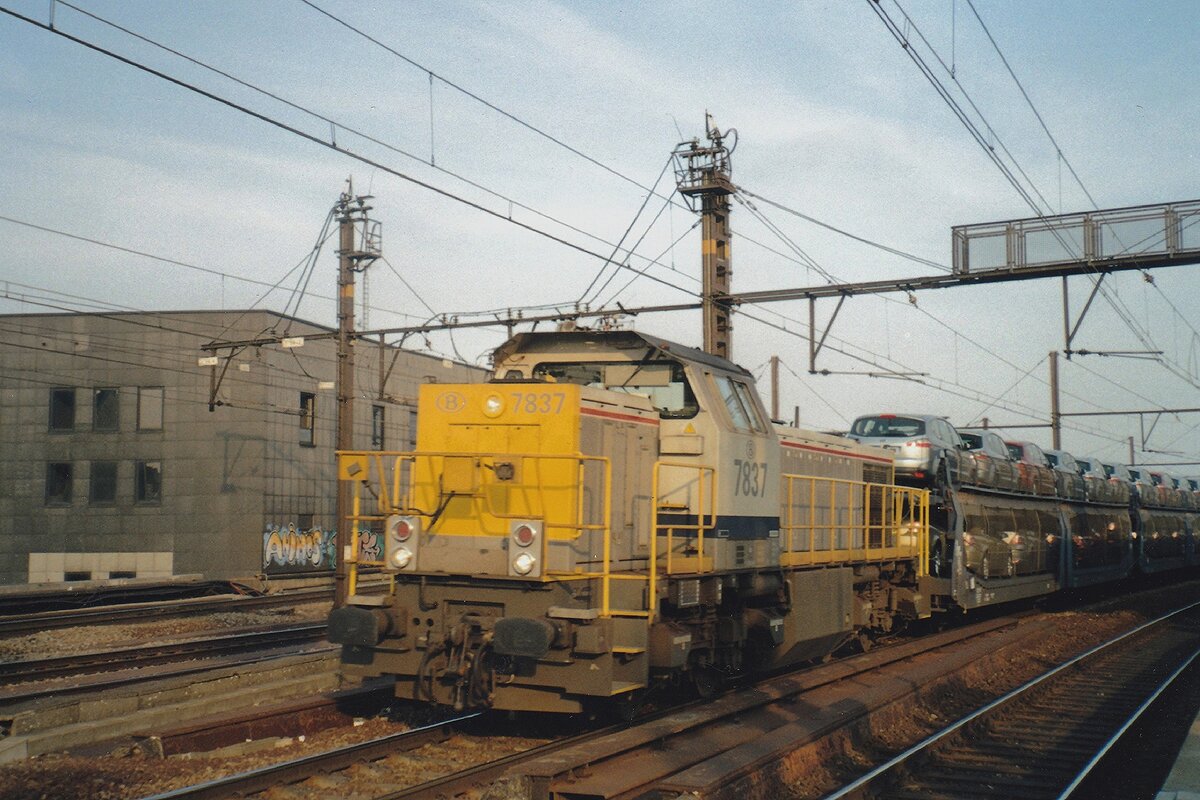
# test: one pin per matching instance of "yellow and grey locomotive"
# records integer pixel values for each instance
(613, 512)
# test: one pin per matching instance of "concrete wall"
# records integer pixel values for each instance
(228, 477)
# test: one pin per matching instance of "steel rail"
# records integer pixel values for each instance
(158, 609)
(926, 743)
(149, 655)
(257, 780)
(28, 693)
(1116, 737)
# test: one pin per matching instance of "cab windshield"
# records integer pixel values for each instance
(662, 382)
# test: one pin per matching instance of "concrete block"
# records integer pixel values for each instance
(106, 708)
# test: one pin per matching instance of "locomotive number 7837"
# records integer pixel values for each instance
(750, 477)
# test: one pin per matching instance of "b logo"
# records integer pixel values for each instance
(451, 402)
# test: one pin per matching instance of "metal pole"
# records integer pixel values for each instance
(1066, 320)
(1131, 450)
(774, 387)
(1055, 417)
(345, 538)
(812, 335)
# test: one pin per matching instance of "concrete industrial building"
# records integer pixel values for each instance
(112, 464)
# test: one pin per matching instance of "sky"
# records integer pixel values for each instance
(560, 116)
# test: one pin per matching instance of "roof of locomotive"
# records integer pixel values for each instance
(596, 342)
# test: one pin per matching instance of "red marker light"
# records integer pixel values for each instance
(403, 530)
(524, 535)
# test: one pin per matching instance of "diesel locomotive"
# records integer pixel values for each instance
(613, 513)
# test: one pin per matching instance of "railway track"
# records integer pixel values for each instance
(13, 624)
(1043, 739)
(12, 672)
(23, 683)
(618, 756)
(265, 778)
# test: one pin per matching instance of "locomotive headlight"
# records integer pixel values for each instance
(493, 405)
(401, 557)
(524, 563)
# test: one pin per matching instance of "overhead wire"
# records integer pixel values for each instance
(301, 133)
(629, 228)
(989, 149)
(669, 197)
(331, 145)
(862, 239)
(625, 262)
(167, 260)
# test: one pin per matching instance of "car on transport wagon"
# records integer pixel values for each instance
(1068, 481)
(1033, 468)
(926, 448)
(994, 465)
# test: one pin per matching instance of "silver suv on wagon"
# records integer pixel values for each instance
(926, 447)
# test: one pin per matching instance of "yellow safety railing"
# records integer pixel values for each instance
(832, 520)
(392, 487)
(823, 520)
(705, 514)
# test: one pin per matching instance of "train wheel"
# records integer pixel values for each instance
(627, 706)
(707, 681)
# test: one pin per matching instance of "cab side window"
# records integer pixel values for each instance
(747, 398)
(739, 402)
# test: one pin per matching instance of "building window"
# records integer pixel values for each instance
(412, 429)
(105, 412)
(58, 483)
(148, 481)
(104, 482)
(62, 409)
(308, 418)
(377, 427)
(150, 408)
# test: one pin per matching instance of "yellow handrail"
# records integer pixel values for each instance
(384, 469)
(703, 522)
(858, 520)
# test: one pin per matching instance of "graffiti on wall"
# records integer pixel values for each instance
(370, 548)
(286, 549)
